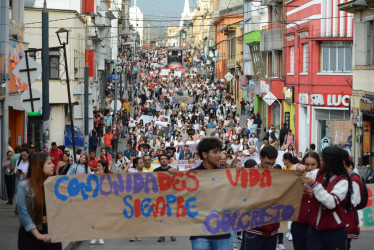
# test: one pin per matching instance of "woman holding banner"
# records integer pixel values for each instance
(332, 190)
(102, 168)
(33, 233)
(299, 228)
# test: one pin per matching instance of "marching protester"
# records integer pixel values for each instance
(81, 167)
(63, 166)
(332, 191)
(102, 168)
(33, 232)
(299, 228)
(9, 177)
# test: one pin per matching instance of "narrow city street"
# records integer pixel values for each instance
(234, 124)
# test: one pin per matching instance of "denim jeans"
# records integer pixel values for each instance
(109, 150)
(233, 241)
(210, 244)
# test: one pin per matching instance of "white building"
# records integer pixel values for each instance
(60, 4)
(137, 21)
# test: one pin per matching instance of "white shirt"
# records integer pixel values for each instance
(24, 166)
(134, 170)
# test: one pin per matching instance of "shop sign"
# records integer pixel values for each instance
(366, 106)
(303, 98)
(287, 117)
(330, 100)
(366, 137)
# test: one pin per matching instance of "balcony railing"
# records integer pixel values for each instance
(272, 26)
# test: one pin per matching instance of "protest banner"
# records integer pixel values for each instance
(179, 99)
(178, 73)
(366, 215)
(84, 207)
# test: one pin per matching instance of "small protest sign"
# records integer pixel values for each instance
(179, 99)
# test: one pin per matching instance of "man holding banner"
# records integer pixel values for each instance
(209, 150)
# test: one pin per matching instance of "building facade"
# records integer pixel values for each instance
(362, 102)
(318, 82)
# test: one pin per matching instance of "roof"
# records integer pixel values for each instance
(356, 5)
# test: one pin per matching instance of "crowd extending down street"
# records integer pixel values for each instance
(174, 118)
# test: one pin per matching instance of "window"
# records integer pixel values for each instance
(336, 56)
(54, 67)
(54, 64)
(305, 57)
(231, 48)
(292, 59)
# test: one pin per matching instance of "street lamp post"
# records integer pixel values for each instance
(118, 69)
(63, 38)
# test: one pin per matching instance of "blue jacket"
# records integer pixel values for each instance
(127, 153)
(25, 202)
(182, 155)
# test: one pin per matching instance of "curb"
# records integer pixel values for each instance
(70, 245)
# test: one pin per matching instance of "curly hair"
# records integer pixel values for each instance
(332, 164)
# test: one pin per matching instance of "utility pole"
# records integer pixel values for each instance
(86, 82)
(4, 79)
(115, 107)
(45, 76)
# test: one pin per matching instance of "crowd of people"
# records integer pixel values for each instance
(184, 114)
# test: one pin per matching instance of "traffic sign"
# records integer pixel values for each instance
(36, 100)
(229, 76)
(21, 69)
(119, 105)
(269, 98)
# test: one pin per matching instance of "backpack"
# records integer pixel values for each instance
(364, 195)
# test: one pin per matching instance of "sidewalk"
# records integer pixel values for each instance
(9, 229)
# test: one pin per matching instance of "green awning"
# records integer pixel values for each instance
(252, 37)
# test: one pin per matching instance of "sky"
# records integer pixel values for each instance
(170, 9)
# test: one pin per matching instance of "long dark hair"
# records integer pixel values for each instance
(36, 178)
(105, 166)
(313, 155)
(291, 158)
(332, 164)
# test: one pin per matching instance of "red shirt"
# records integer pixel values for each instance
(93, 163)
(108, 158)
(56, 157)
(108, 140)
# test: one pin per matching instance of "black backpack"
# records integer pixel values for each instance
(364, 195)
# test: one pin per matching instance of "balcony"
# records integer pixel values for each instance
(272, 37)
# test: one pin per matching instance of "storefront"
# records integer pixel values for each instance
(363, 119)
(289, 108)
(331, 123)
